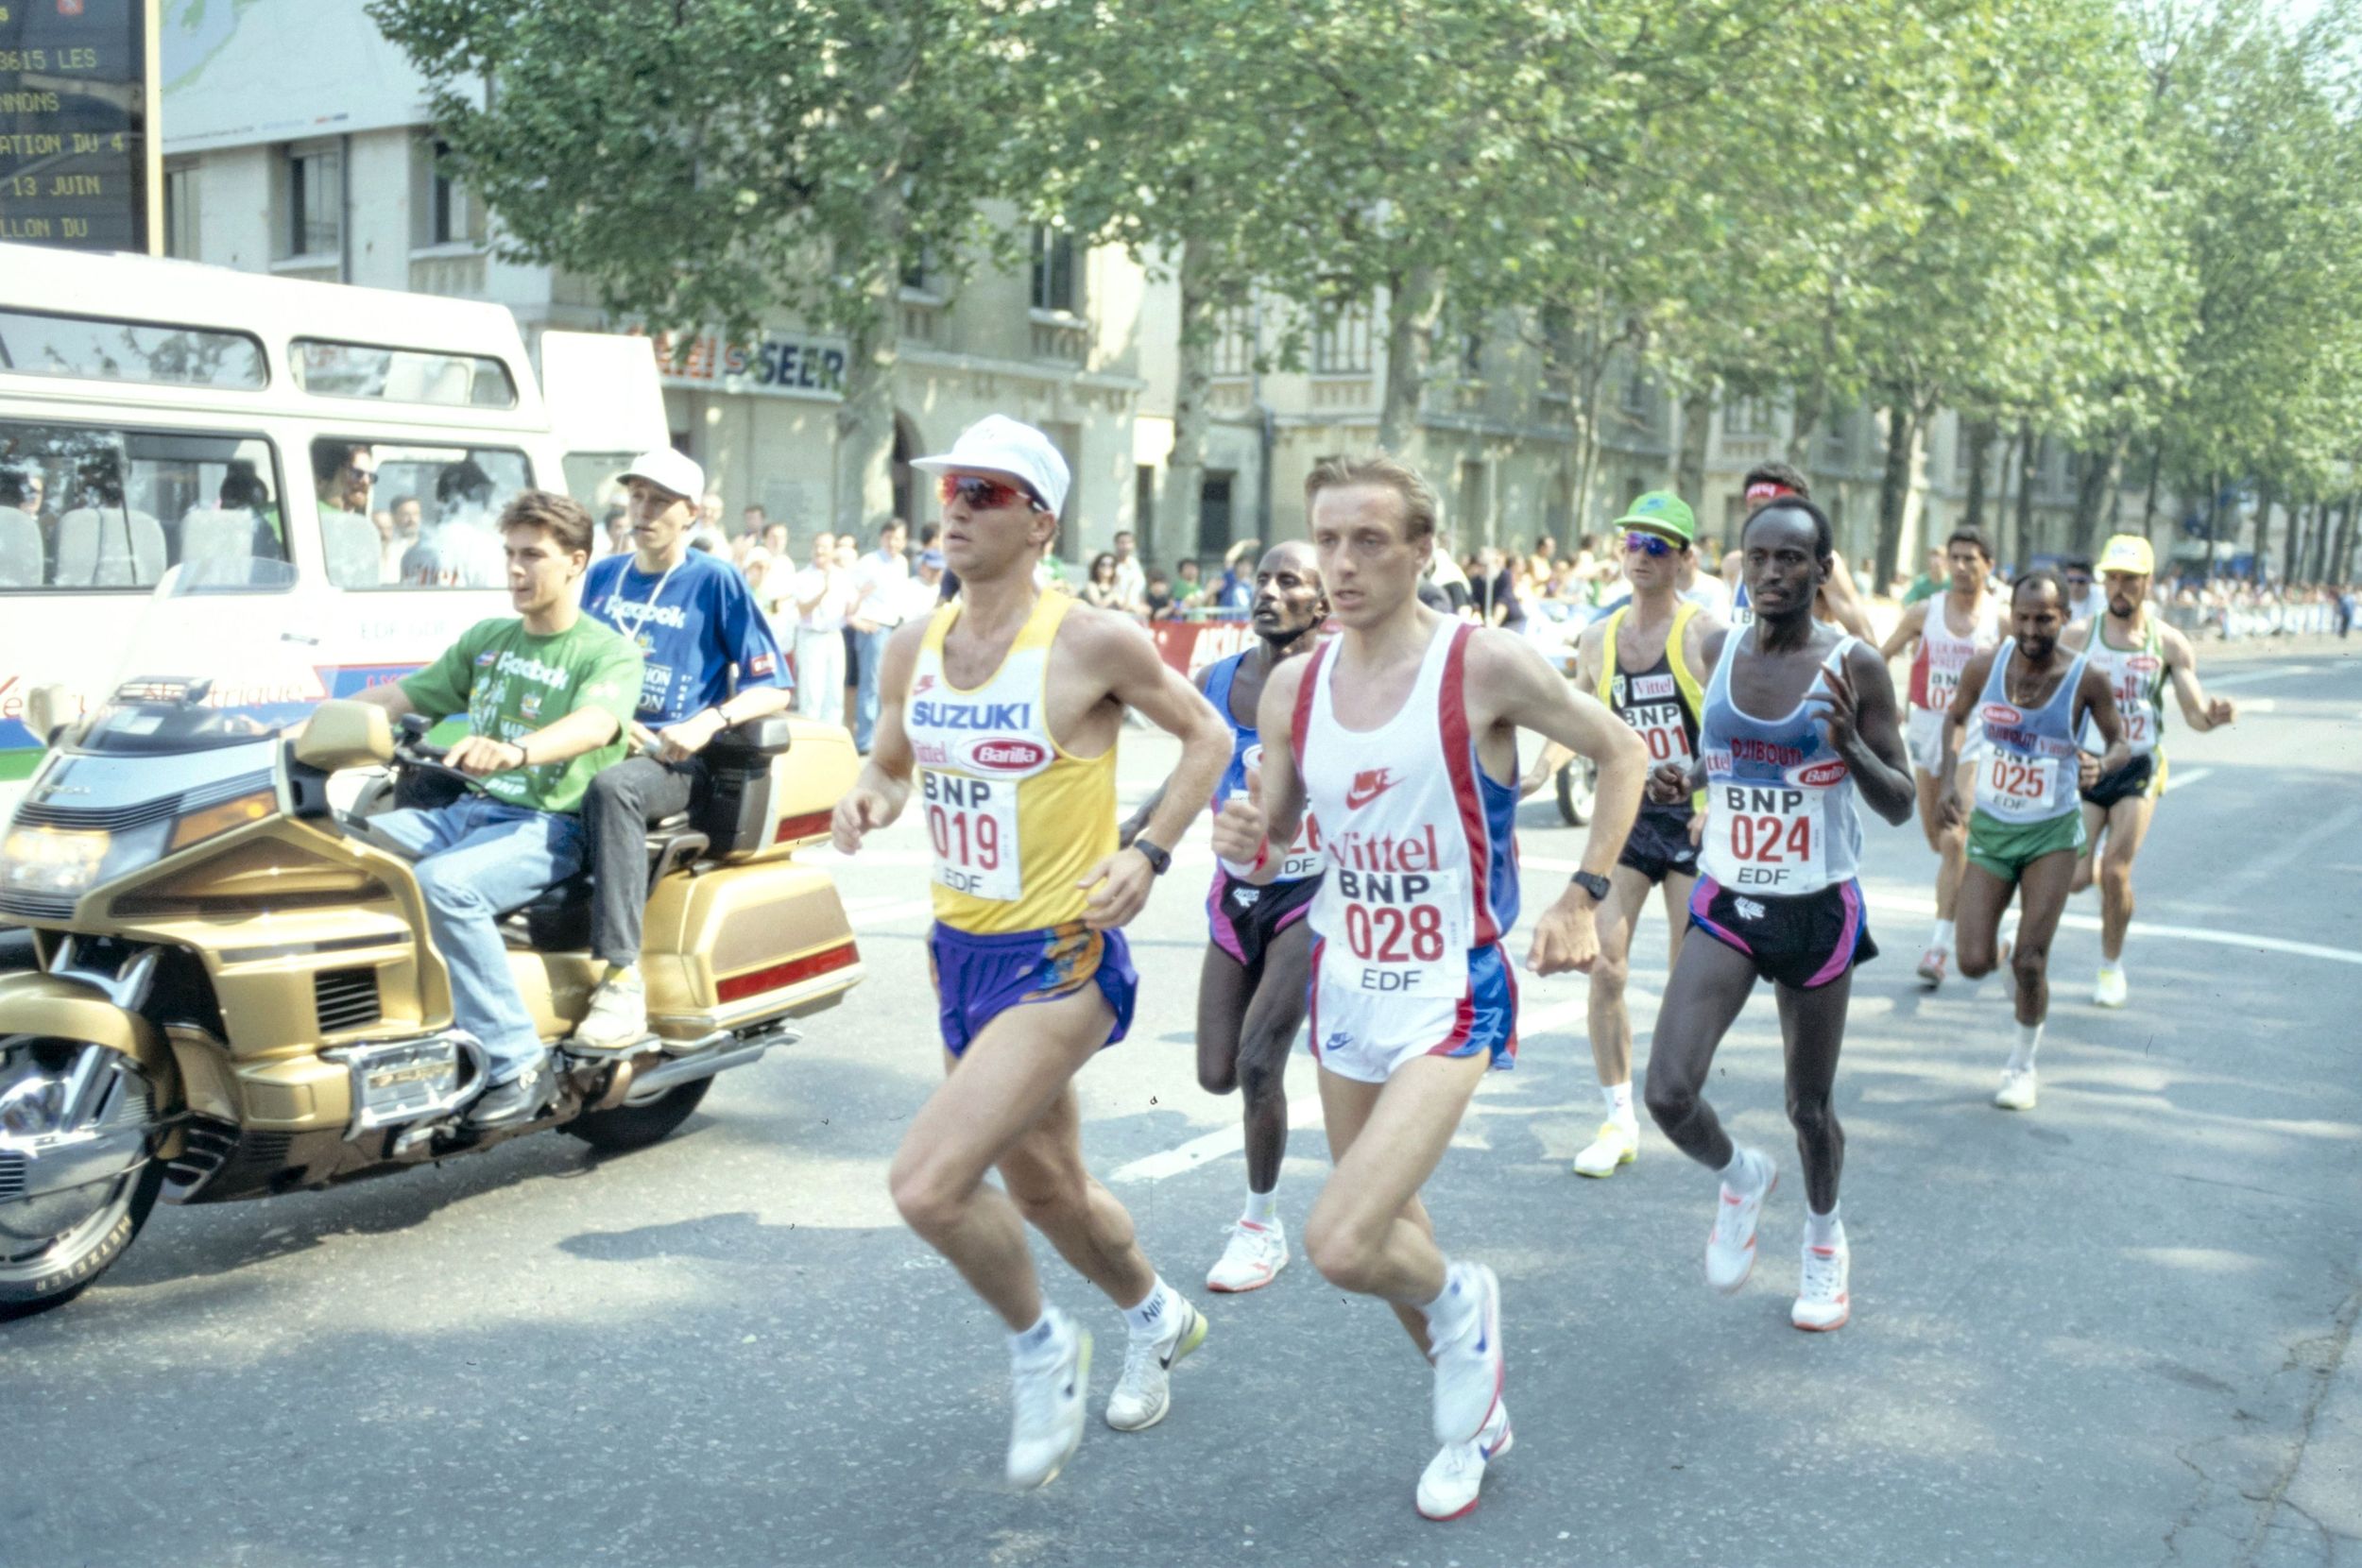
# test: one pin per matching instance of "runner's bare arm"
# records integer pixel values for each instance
(1139, 819)
(1844, 603)
(1957, 718)
(2203, 713)
(883, 788)
(1907, 630)
(2096, 700)
(1115, 645)
(1671, 782)
(1272, 812)
(1590, 657)
(1509, 683)
(1864, 730)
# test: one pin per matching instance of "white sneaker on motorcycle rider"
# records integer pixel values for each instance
(619, 1011)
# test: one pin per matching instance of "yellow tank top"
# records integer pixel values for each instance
(1013, 819)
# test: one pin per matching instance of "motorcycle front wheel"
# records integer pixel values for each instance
(77, 1180)
(1577, 791)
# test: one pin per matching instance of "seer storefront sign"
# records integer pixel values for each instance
(74, 123)
(779, 364)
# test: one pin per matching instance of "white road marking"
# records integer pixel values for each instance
(1903, 904)
(2252, 677)
(2187, 776)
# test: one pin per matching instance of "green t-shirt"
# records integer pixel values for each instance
(510, 683)
(1926, 588)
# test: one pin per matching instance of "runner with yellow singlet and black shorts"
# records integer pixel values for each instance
(1951, 629)
(2139, 653)
(1006, 706)
(1644, 661)
(2025, 700)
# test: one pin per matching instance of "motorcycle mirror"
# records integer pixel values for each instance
(48, 710)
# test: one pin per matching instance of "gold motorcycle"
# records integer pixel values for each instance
(234, 994)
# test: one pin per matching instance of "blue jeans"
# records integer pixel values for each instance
(873, 647)
(478, 860)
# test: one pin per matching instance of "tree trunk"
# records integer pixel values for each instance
(865, 434)
(2267, 496)
(2095, 486)
(1812, 405)
(2148, 507)
(1177, 517)
(1689, 470)
(2029, 466)
(2339, 568)
(1415, 301)
(2292, 543)
(1981, 434)
(1894, 487)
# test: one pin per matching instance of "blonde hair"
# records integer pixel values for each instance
(1419, 506)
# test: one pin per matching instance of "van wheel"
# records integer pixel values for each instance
(629, 1127)
(1577, 791)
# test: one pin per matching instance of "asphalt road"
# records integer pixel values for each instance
(2110, 1331)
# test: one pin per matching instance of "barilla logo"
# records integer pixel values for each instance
(1367, 786)
(1252, 757)
(1820, 776)
(2148, 664)
(1004, 756)
(2001, 715)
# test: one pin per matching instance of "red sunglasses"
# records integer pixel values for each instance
(985, 495)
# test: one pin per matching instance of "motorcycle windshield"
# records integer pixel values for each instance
(211, 665)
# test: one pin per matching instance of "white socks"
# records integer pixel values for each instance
(1261, 1207)
(1448, 1311)
(1823, 1229)
(1619, 1097)
(1745, 1173)
(1942, 937)
(2028, 1042)
(1033, 1343)
(1148, 1319)
(2111, 966)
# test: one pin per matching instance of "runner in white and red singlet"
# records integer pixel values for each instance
(1400, 738)
(1951, 629)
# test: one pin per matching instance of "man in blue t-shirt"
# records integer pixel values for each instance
(710, 661)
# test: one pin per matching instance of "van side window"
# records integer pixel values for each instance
(394, 515)
(96, 507)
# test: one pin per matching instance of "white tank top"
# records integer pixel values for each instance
(1944, 653)
(1780, 814)
(2137, 677)
(1421, 866)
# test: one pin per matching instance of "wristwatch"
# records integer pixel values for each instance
(1595, 886)
(1159, 859)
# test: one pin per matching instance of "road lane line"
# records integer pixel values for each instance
(2187, 776)
(2252, 677)
(1903, 903)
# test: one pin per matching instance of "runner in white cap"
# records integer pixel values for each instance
(2139, 653)
(1400, 738)
(1951, 629)
(1006, 704)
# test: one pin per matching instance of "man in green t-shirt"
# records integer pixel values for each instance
(548, 696)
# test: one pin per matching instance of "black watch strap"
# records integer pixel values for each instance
(1597, 887)
(1159, 858)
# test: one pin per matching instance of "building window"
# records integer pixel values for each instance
(316, 200)
(181, 210)
(1341, 344)
(1054, 270)
(1472, 356)
(1234, 341)
(1638, 392)
(1747, 417)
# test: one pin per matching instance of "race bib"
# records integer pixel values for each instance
(2016, 788)
(1394, 933)
(2137, 733)
(1770, 838)
(972, 825)
(1660, 725)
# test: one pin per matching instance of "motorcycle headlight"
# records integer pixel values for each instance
(52, 860)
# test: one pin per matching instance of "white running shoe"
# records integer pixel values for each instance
(1145, 1392)
(1823, 1302)
(618, 1014)
(2110, 990)
(2017, 1089)
(1730, 1244)
(1931, 965)
(1049, 1392)
(1618, 1144)
(1252, 1258)
(1447, 1488)
(1469, 1366)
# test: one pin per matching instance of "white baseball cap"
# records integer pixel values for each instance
(672, 471)
(997, 444)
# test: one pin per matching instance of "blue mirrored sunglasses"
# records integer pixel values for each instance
(1655, 544)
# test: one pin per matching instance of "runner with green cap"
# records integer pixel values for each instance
(1646, 661)
(2138, 652)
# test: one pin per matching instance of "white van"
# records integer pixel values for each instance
(153, 412)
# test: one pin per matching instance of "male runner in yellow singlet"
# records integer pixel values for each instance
(1006, 704)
